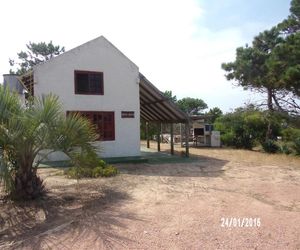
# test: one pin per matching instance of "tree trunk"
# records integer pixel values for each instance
(27, 185)
(269, 133)
(271, 109)
(270, 102)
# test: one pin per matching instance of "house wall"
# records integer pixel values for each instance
(121, 91)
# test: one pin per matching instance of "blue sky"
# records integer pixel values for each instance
(179, 45)
(220, 14)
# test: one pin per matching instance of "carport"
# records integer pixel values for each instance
(158, 109)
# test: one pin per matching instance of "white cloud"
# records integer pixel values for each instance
(161, 37)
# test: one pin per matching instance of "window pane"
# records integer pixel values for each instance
(82, 81)
(95, 120)
(95, 83)
(108, 135)
(207, 127)
(89, 82)
(108, 118)
(106, 126)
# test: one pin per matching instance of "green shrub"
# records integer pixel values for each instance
(244, 127)
(270, 146)
(289, 134)
(78, 172)
(228, 139)
(285, 149)
(296, 145)
(97, 172)
(100, 169)
(101, 163)
(109, 171)
(88, 160)
(72, 172)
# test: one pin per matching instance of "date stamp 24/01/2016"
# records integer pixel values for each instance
(240, 222)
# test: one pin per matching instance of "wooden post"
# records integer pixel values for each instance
(158, 136)
(181, 135)
(172, 139)
(147, 134)
(187, 135)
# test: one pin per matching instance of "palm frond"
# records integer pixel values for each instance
(9, 104)
(75, 131)
(26, 131)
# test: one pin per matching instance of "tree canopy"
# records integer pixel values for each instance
(192, 106)
(189, 105)
(271, 64)
(214, 113)
(169, 95)
(35, 54)
(291, 24)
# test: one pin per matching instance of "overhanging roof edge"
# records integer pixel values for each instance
(161, 102)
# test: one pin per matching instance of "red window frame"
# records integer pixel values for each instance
(104, 121)
(91, 75)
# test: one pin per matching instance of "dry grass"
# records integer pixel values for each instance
(236, 155)
(258, 158)
(166, 206)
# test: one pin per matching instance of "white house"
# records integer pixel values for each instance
(101, 83)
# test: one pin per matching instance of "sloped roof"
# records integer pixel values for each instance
(100, 39)
(155, 107)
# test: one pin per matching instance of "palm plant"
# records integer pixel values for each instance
(29, 133)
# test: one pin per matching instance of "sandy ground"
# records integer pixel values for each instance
(166, 206)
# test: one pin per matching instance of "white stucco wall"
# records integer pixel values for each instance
(121, 90)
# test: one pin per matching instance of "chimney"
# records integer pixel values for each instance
(12, 81)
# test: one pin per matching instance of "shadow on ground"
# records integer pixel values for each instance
(161, 164)
(43, 223)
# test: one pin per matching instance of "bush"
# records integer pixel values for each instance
(244, 127)
(270, 146)
(296, 145)
(228, 139)
(100, 169)
(72, 172)
(97, 172)
(79, 172)
(101, 163)
(109, 170)
(292, 137)
(289, 134)
(238, 141)
(285, 149)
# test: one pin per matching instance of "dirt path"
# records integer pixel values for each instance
(166, 206)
